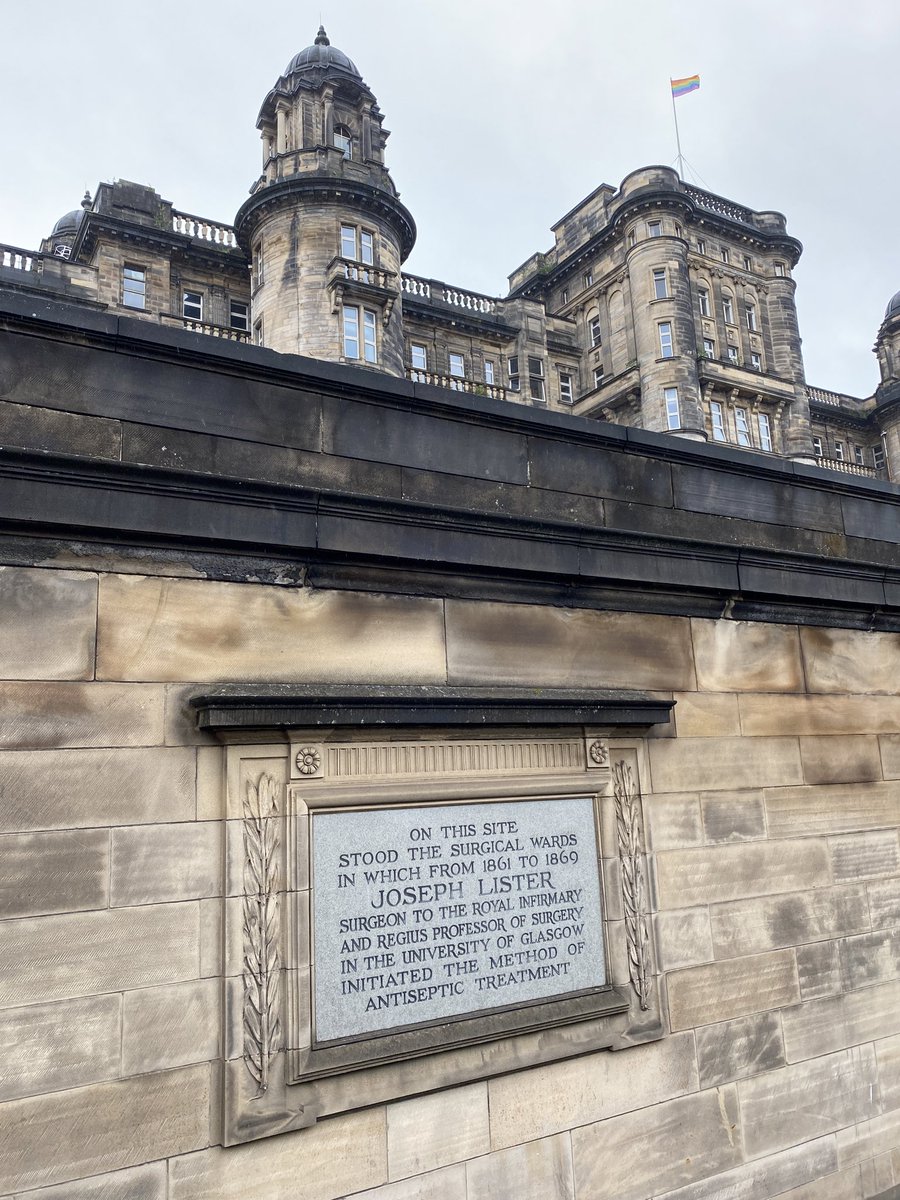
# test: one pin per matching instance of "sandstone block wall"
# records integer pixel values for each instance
(773, 809)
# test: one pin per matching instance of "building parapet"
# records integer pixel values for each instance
(433, 290)
(203, 229)
(14, 258)
(454, 383)
(846, 468)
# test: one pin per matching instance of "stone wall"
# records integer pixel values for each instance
(772, 799)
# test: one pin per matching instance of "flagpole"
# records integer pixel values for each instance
(677, 134)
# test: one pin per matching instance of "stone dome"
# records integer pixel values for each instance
(322, 56)
(893, 308)
(68, 222)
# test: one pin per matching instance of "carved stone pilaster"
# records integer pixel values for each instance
(262, 966)
(637, 931)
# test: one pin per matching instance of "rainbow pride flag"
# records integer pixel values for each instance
(681, 87)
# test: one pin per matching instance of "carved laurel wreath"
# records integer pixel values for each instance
(262, 1025)
(628, 826)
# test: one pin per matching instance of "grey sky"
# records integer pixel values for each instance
(504, 114)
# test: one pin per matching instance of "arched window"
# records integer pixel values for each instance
(343, 140)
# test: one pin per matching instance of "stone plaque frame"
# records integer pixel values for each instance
(275, 1078)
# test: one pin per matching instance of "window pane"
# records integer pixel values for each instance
(673, 417)
(659, 285)
(192, 305)
(594, 329)
(366, 247)
(488, 372)
(371, 354)
(535, 366)
(718, 421)
(565, 387)
(351, 331)
(419, 357)
(765, 432)
(665, 340)
(457, 365)
(342, 141)
(703, 297)
(239, 315)
(741, 427)
(654, 229)
(348, 241)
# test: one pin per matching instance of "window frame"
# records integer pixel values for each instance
(195, 301)
(742, 432)
(764, 428)
(755, 360)
(672, 408)
(595, 333)
(818, 447)
(728, 308)
(750, 316)
(132, 274)
(717, 421)
(666, 339)
(512, 372)
(365, 337)
(839, 450)
(418, 369)
(709, 347)
(660, 284)
(536, 388)
(654, 229)
(566, 387)
(342, 139)
(703, 305)
(587, 279)
(235, 318)
(599, 376)
(489, 372)
(733, 355)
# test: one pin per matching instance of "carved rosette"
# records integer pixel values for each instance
(598, 753)
(637, 932)
(262, 1025)
(308, 760)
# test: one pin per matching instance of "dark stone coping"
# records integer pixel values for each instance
(286, 706)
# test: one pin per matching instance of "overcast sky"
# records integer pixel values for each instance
(503, 115)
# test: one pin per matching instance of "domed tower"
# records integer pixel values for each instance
(324, 225)
(63, 234)
(887, 395)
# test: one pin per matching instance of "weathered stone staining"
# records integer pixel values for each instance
(450, 910)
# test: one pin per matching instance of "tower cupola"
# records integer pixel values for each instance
(324, 224)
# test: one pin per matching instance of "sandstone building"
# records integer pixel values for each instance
(660, 305)
(419, 787)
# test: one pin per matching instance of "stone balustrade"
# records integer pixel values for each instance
(358, 272)
(17, 259)
(846, 468)
(432, 289)
(716, 204)
(225, 332)
(203, 230)
(457, 384)
(822, 396)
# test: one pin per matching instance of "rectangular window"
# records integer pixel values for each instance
(701, 245)
(742, 427)
(765, 431)
(858, 455)
(878, 458)
(536, 377)
(779, 270)
(748, 264)
(566, 392)
(666, 350)
(488, 371)
(703, 301)
(458, 366)
(654, 229)
(134, 286)
(717, 419)
(755, 361)
(367, 247)
(370, 348)
(728, 310)
(709, 348)
(632, 237)
(564, 296)
(673, 416)
(750, 315)
(258, 334)
(418, 357)
(259, 265)
(352, 331)
(239, 315)
(594, 331)
(598, 377)
(588, 278)
(192, 306)
(839, 451)
(723, 253)
(733, 355)
(817, 447)
(660, 290)
(512, 369)
(348, 241)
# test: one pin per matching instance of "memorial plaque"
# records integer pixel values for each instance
(431, 913)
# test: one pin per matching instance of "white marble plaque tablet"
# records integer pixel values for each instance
(429, 913)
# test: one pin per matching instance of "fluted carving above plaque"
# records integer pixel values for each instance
(451, 757)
